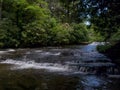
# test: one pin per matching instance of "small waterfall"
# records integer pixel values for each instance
(34, 65)
(113, 70)
(94, 68)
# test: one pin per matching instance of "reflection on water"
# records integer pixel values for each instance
(58, 68)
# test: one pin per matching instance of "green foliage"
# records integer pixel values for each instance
(80, 33)
(95, 35)
(60, 34)
(103, 48)
(106, 17)
(65, 33)
(23, 22)
(34, 34)
(8, 34)
(28, 23)
(68, 11)
(115, 37)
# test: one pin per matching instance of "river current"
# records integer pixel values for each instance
(78, 67)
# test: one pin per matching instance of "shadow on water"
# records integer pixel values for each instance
(58, 68)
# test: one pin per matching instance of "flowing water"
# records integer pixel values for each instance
(78, 67)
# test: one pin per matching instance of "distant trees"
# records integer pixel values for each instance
(107, 17)
(68, 10)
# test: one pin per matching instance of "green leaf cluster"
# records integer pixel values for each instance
(29, 23)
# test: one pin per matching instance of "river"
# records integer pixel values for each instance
(78, 67)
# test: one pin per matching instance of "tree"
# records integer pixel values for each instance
(105, 15)
(19, 18)
(1, 9)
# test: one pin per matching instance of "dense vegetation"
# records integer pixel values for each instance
(34, 23)
(28, 23)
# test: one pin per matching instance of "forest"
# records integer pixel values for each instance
(36, 23)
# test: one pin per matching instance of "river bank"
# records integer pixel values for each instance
(112, 52)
